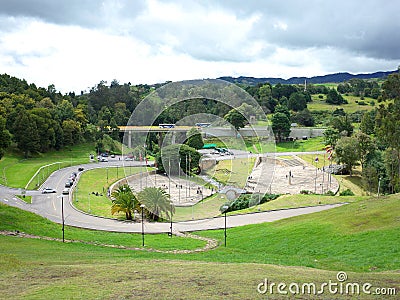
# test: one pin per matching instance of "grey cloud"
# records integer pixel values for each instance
(85, 13)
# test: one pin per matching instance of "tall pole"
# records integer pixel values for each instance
(179, 179)
(171, 219)
(89, 203)
(379, 185)
(62, 216)
(189, 173)
(142, 206)
(225, 208)
(225, 228)
(186, 167)
(107, 174)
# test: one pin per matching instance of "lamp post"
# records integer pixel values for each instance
(225, 208)
(89, 203)
(62, 215)
(379, 185)
(142, 207)
(107, 174)
(170, 234)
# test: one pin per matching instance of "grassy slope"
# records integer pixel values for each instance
(365, 239)
(360, 236)
(15, 171)
(15, 219)
(352, 106)
(96, 181)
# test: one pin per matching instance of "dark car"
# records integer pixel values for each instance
(69, 183)
(80, 169)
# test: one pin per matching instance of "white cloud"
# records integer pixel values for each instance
(75, 46)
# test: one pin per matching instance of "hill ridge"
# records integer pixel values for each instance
(334, 77)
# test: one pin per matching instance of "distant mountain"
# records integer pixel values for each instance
(336, 77)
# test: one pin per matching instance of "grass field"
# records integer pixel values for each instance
(15, 171)
(352, 106)
(255, 146)
(232, 172)
(98, 181)
(293, 201)
(361, 238)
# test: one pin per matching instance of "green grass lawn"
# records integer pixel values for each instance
(293, 201)
(95, 181)
(232, 172)
(16, 171)
(361, 238)
(207, 208)
(352, 106)
(15, 219)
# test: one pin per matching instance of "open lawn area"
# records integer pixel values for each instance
(16, 171)
(361, 238)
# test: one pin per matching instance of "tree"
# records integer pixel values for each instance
(194, 139)
(304, 118)
(346, 152)
(280, 126)
(331, 136)
(297, 101)
(335, 98)
(157, 203)
(25, 132)
(365, 145)
(123, 200)
(235, 118)
(5, 137)
(368, 122)
(343, 125)
(188, 158)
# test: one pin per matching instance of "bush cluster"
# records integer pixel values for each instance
(247, 200)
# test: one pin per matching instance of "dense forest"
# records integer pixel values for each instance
(36, 119)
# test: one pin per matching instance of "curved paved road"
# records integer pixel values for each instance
(49, 206)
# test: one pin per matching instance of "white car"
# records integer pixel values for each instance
(65, 191)
(103, 159)
(48, 191)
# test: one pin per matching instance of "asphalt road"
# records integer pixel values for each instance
(49, 206)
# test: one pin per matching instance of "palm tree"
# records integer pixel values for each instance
(157, 202)
(123, 200)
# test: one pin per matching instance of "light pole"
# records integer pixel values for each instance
(62, 215)
(225, 208)
(170, 234)
(379, 185)
(107, 174)
(142, 207)
(89, 203)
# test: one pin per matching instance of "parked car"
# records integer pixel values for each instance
(65, 191)
(80, 169)
(69, 183)
(103, 159)
(48, 191)
(112, 155)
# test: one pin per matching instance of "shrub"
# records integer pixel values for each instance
(347, 192)
(247, 200)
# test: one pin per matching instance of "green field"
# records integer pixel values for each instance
(90, 195)
(320, 104)
(15, 171)
(360, 238)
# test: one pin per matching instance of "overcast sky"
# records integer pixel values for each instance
(76, 43)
